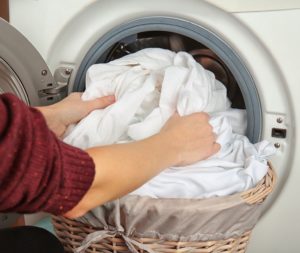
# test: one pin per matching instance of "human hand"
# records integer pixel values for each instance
(190, 137)
(71, 110)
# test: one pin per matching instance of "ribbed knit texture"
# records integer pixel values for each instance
(38, 172)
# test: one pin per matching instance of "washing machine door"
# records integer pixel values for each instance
(23, 71)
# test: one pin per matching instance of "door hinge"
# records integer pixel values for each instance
(57, 91)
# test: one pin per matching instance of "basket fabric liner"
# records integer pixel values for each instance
(171, 219)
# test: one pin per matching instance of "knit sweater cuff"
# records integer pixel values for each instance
(78, 173)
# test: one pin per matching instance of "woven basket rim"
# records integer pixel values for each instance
(264, 187)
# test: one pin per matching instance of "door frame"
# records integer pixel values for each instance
(4, 9)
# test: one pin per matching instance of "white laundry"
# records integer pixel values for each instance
(150, 86)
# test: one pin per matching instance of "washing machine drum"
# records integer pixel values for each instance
(23, 71)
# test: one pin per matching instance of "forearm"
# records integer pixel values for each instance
(122, 168)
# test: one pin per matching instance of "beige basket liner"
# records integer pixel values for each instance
(175, 219)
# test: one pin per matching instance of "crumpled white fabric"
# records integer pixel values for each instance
(150, 86)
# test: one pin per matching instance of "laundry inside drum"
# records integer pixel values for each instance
(176, 42)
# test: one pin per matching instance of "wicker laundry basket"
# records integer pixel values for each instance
(72, 232)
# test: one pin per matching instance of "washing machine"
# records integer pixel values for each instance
(253, 47)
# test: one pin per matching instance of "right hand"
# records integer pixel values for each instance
(190, 137)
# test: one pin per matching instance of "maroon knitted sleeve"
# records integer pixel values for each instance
(38, 172)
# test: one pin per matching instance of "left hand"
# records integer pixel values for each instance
(71, 110)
